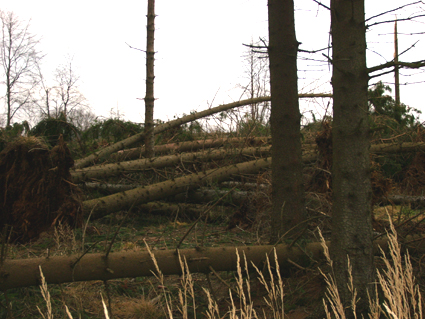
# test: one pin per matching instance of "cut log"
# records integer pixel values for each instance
(18, 273)
(106, 170)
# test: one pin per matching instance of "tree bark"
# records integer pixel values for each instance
(107, 170)
(124, 200)
(17, 273)
(150, 76)
(352, 192)
(287, 178)
(192, 146)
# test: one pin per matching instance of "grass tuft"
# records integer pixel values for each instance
(402, 297)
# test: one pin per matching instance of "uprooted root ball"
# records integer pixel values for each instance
(35, 188)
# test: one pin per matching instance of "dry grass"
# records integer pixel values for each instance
(400, 299)
(401, 295)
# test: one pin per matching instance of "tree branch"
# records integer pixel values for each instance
(393, 20)
(134, 48)
(408, 65)
(321, 4)
(392, 10)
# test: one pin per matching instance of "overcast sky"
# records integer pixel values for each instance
(199, 49)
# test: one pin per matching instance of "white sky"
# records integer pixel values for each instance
(199, 49)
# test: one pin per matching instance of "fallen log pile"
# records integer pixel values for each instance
(140, 195)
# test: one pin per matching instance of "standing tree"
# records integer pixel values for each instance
(149, 97)
(287, 184)
(258, 74)
(352, 193)
(63, 98)
(19, 58)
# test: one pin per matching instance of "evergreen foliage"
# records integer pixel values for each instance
(52, 128)
(112, 130)
(384, 105)
(388, 120)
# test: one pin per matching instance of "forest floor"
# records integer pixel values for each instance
(146, 297)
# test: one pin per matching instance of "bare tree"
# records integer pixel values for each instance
(258, 84)
(82, 118)
(149, 97)
(19, 57)
(67, 96)
(62, 97)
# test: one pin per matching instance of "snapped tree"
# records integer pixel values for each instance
(149, 97)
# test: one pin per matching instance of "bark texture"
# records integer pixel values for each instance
(107, 170)
(192, 146)
(150, 76)
(18, 273)
(287, 178)
(124, 200)
(352, 192)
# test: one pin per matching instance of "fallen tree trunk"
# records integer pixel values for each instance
(106, 170)
(184, 210)
(124, 200)
(183, 201)
(246, 186)
(412, 201)
(204, 195)
(209, 195)
(183, 120)
(191, 146)
(397, 147)
(163, 127)
(18, 273)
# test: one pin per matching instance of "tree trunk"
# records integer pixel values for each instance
(149, 97)
(107, 170)
(83, 162)
(124, 200)
(191, 146)
(17, 273)
(86, 161)
(287, 178)
(352, 192)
